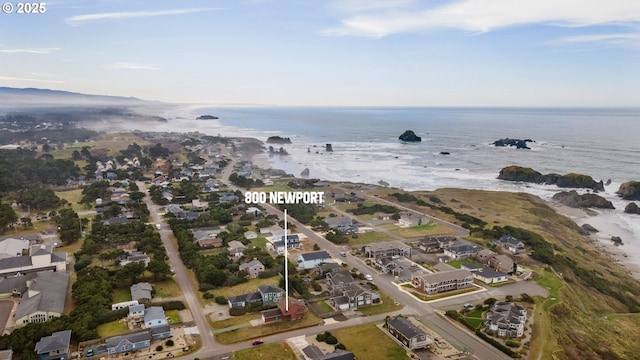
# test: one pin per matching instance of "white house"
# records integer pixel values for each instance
(154, 316)
(313, 259)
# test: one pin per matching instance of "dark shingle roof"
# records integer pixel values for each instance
(405, 327)
(318, 255)
(57, 341)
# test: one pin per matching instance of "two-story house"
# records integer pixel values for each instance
(442, 281)
(253, 268)
(313, 259)
(128, 343)
(411, 336)
(55, 346)
(506, 319)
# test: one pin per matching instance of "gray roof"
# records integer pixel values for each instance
(13, 247)
(57, 341)
(235, 244)
(405, 327)
(154, 313)
(438, 277)
(141, 291)
(14, 262)
(269, 289)
(490, 273)
(290, 239)
(136, 308)
(115, 341)
(465, 248)
(18, 283)
(249, 297)
(250, 264)
(318, 255)
(338, 221)
(160, 329)
(52, 293)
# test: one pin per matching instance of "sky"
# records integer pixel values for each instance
(577, 53)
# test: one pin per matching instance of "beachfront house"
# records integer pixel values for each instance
(411, 336)
(506, 319)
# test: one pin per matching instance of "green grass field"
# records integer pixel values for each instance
(279, 350)
(369, 342)
(112, 328)
(249, 286)
(386, 305)
(258, 242)
(234, 320)
(474, 318)
(252, 332)
(368, 237)
(325, 307)
(167, 288)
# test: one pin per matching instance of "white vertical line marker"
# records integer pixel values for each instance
(286, 264)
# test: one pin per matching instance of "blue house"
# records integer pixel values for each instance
(130, 342)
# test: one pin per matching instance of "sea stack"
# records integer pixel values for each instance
(328, 148)
(410, 136)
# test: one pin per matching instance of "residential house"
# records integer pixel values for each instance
(343, 224)
(506, 319)
(44, 300)
(484, 255)
(141, 292)
(411, 219)
(236, 248)
(250, 235)
(386, 264)
(355, 295)
(313, 352)
(270, 294)
(154, 316)
(207, 236)
(293, 242)
(244, 299)
(160, 332)
(313, 259)
(442, 281)
(210, 242)
(136, 313)
(511, 244)
(228, 197)
(490, 276)
(253, 268)
(55, 346)
(502, 263)
(253, 210)
(391, 248)
(136, 257)
(323, 269)
(295, 311)
(463, 251)
(196, 204)
(442, 267)
(128, 343)
(411, 336)
(429, 244)
(338, 281)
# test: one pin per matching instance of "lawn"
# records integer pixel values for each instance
(386, 305)
(368, 237)
(369, 342)
(474, 319)
(422, 230)
(121, 295)
(258, 242)
(252, 332)
(112, 328)
(73, 197)
(235, 320)
(244, 288)
(325, 307)
(166, 289)
(174, 316)
(279, 350)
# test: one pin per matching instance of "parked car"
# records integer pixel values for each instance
(257, 342)
(368, 277)
(89, 353)
(468, 305)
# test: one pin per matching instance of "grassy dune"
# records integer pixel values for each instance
(587, 314)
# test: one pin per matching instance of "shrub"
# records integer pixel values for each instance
(169, 342)
(512, 343)
(205, 287)
(207, 295)
(159, 348)
(237, 311)
(340, 346)
(173, 305)
(221, 300)
(331, 340)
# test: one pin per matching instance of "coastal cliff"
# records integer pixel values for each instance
(572, 180)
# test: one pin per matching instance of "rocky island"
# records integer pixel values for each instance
(518, 143)
(207, 117)
(629, 190)
(409, 136)
(575, 200)
(572, 180)
(278, 140)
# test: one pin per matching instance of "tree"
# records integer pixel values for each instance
(159, 269)
(26, 222)
(8, 217)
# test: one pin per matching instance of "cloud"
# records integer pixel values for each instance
(13, 78)
(622, 39)
(81, 19)
(29, 51)
(368, 5)
(480, 16)
(132, 66)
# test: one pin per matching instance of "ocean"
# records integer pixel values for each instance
(602, 143)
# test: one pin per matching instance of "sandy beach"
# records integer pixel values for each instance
(602, 239)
